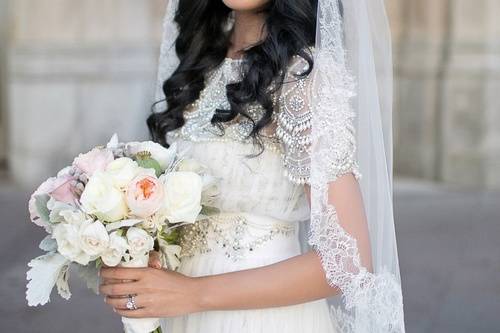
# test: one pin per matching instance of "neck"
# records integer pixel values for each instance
(248, 30)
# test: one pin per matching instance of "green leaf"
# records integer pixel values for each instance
(98, 263)
(147, 162)
(171, 237)
(208, 211)
(48, 244)
(41, 207)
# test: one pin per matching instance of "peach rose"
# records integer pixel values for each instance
(145, 195)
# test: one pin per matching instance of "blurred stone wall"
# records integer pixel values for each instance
(447, 101)
(3, 80)
(80, 70)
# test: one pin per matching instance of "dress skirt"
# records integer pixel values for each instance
(311, 317)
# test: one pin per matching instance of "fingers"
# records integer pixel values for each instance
(119, 289)
(154, 260)
(120, 303)
(121, 273)
(113, 281)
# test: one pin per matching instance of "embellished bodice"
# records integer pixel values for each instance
(198, 127)
(267, 185)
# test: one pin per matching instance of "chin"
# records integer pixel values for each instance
(245, 5)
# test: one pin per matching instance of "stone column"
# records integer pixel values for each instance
(471, 103)
(4, 23)
(420, 31)
(79, 71)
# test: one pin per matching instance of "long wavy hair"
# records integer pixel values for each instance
(202, 45)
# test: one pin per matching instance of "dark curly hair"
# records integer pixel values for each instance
(202, 45)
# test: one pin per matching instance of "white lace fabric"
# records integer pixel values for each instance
(372, 300)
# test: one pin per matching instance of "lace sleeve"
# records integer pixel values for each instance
(294, 129)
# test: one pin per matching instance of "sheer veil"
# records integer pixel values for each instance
(352, 80)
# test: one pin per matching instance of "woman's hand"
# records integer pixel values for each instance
(158, 293)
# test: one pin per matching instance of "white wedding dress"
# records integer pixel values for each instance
(262, 200)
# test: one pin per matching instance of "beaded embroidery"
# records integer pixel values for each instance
(294, 129)
(198, 127)
(292, 121)
(234, 233)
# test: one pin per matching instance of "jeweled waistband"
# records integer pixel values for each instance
(236, 234)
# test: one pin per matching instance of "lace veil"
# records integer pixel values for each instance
(351, 87)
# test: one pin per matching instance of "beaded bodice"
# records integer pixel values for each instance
(270, 184)
(198, 127)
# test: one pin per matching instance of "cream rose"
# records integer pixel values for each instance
(210, 188)
(75, 217)
(68, 243)
(144, 195)
(117, 248)
(182, 196)
(121, 171)
(162, 155)
(94, 238)
(139, 241)
(103, 199)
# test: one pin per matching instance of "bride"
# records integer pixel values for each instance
(289, 104)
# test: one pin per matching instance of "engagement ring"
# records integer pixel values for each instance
(131, 303)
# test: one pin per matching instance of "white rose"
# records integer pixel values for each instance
(72, 216)
(182, 196)
(139, 241)
(103, 200)
(68, 243)
(121, 171)
(162, 155)
(117, 248)
(94, 238)
(211, 189)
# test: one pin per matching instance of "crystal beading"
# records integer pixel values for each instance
(234, 233)
(290, 134)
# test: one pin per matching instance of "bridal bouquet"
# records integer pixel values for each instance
(113, 206)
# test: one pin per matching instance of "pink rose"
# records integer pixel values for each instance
(95, 160)
(57, 187)
(145, 195)
(63, 191)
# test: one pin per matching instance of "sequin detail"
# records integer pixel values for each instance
(234, 233)
(294, 129)
(198, 127)
(291, 124)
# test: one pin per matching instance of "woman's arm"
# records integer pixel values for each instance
(296, 280)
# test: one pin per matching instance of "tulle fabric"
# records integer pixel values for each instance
(312, 317)
(250, 185)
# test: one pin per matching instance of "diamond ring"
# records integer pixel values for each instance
(131, 305)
